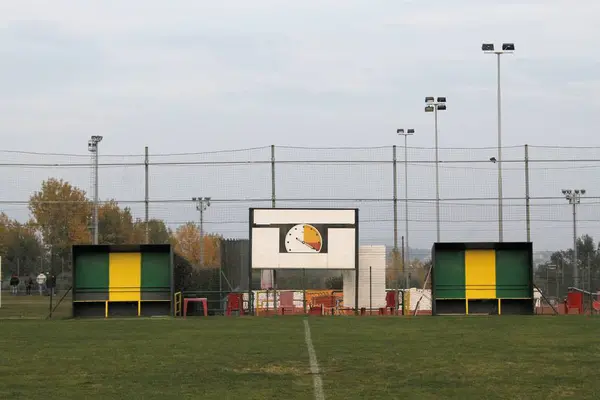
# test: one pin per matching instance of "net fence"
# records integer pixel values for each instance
(147, 197)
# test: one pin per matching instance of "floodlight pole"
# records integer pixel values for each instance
(507, 48)
(432, 105)
(437, 177)
(202, 203)
(406, 261)
(500, 206)
(573, 196)
(93, 148)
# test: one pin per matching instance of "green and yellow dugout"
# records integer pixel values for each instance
(122, 280)
(482, 278)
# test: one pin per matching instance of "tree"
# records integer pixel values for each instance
(158, 232)
(4, 226)
(115, 225)
(186, 241)
(21, 247)
(394, 272)
(561, 266)
(62, 213)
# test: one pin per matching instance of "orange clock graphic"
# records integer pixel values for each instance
(303, 238)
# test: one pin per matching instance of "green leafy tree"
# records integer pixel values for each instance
(21, 247)
(158, 232)
(560, 268)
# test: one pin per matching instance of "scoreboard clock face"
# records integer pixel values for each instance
(303, 238)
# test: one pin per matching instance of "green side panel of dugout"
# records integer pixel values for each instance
(156, 276)
(91, 276)
(449, 273)
(513, 274)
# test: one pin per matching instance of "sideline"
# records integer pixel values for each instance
(314, 365)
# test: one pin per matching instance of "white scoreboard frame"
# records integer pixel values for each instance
(339, 228)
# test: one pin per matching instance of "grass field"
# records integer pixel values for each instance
(267, 358)
(34, 307)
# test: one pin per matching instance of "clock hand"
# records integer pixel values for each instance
(306, 244)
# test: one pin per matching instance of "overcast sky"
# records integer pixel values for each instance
(191, 76)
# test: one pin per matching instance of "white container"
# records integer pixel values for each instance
(371, 279)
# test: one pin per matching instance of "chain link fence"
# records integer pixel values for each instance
(142, 193)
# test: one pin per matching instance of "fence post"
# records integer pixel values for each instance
(370, 290)
(304, 290)
(527, 199)
(51, 295)
(274, 271)
(590, 283)
(395, 203)
(146, 194)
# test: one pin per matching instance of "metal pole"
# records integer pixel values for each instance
(272, 176)
(304, 289)
(96, 195)
(407, 252)
(527, 199)
(201, 208)
(370, 290)
(590, 283)
(575, 268)
(146, 194)
(273, 272)
(500, 222)
(437, 176)
(51, 295)
(548, 280)
(556, 277)
(395, 201)
(404, 265)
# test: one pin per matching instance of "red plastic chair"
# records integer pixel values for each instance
(235, 302)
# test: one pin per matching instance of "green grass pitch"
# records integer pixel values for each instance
(267, 358)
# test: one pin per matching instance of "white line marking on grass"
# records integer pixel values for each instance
(314, 365)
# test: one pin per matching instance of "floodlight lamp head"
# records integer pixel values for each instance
(441, 99)
(411, 131)
(487, 47)
(96, 138)
(441, 107)
(429, 108)
(429, 100)
(400, 130)
(508, 47)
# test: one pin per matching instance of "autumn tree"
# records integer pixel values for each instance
(20, 245)
(4, 225)
(394, 271)
(187, 243)
(62, 213)
(115, 225)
